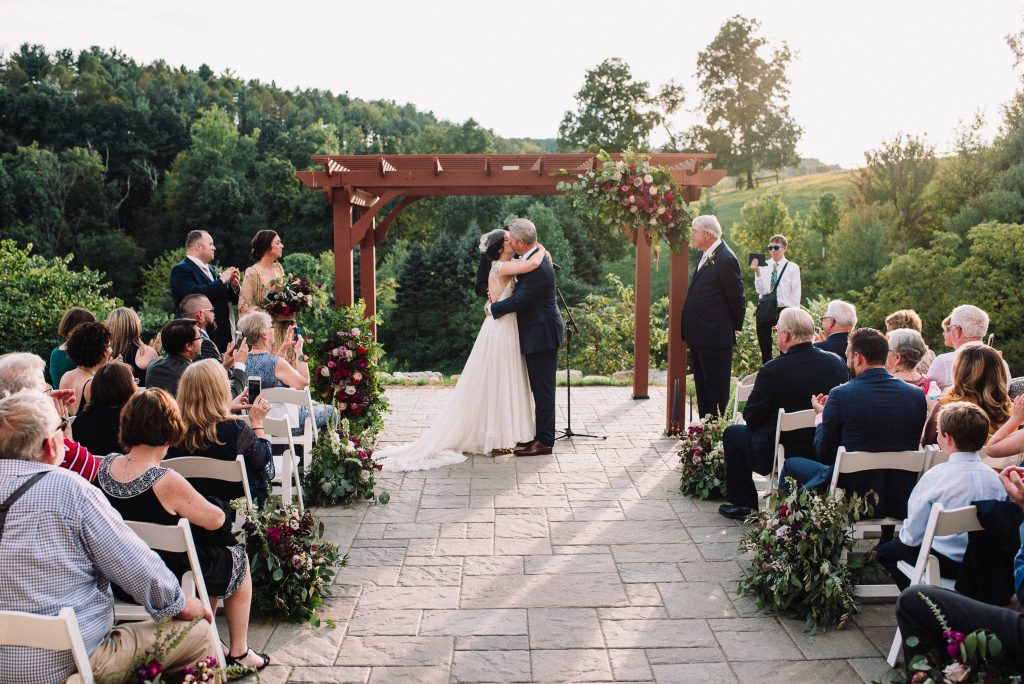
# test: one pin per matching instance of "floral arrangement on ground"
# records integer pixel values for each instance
(975, 657)
(288, 559)
(289, 296)
(149, 668)
(630, 194)
(702, 458)
(342, 469)
(798, 545)
(345, 369)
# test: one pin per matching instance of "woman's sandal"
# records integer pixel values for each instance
(234, 661)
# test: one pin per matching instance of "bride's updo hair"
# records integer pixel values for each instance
(261, 242)
(492, 243)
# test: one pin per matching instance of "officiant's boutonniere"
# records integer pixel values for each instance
(711, 258)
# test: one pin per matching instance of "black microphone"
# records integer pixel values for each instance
(556, 266)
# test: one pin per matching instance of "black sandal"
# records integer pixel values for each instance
(234, 661)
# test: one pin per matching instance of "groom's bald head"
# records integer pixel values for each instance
(523, 229)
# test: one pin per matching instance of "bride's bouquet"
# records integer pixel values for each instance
(289, 296)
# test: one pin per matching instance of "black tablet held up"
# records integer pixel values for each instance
(759, 256)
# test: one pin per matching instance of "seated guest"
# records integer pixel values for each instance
(908, 318)
(906, 347)
(917, 618)
(273, 369)
(126, 340)
(963, 429)
(59, 361)
(787, 382)
(1008, 440)
(198, 308)
(967, 323)
(872, 412)
(97, 424)
(63, 545)
(839, 319)
(21, 371)
(181, 340)
(211, 430)
(141, 490)
(979, 378)
(89, 348)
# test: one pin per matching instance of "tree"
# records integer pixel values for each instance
(763, 217)
(616, 113)
(746, 100)
(897, 175)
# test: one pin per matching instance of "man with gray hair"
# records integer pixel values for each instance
(712, 315)
(63, 544)
(787, 382)
(541, 333)
(836, 325)
(967, 324)
(23, 371)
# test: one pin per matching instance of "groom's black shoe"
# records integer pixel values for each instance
(734, 512)
(534, 448)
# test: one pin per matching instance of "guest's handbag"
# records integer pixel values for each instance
(767, 312)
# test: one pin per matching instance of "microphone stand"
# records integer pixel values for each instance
(571, 330)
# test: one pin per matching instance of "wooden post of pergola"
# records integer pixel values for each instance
(370, 184)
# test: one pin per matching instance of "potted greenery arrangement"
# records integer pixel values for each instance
(702, 458)
(342, 469)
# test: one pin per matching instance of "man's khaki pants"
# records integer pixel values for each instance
(119, 652)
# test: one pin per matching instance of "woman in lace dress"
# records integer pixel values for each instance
(491, 408)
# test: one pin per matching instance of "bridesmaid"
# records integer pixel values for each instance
(267, 249)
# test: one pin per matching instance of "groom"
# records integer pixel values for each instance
(541, 333)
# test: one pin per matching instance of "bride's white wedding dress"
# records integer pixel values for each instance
(491, 408)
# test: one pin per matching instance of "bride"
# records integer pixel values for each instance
(491, 408)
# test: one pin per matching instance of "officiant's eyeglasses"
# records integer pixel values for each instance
(774, 247)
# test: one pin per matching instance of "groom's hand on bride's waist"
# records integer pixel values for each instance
(487, 309)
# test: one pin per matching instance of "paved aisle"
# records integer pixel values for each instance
(587, 565)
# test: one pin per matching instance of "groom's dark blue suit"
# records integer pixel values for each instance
(541, 333)
(187, 278)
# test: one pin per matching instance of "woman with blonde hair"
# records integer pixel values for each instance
(211, 430)
(979, 377)
(908, 318)
(126, 341)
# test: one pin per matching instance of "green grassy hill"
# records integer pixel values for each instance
(798, 194)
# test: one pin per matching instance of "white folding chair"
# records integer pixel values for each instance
(196, 467)
(172, 539)
(848, 462)
(286, 465)
(941, 523)
(744, 386)
(52, 632)
(285, 402)
(935, 457)
(786, 422)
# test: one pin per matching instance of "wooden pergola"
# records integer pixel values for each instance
(360, 187)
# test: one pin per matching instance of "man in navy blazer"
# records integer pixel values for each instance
(195, 275)
(541, 333)
(872, 412)
(839, 319)
(787, 382)
(712, 314)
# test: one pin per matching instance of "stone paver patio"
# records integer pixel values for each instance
(587, 565)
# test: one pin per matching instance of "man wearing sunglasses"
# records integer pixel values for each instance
(778, 280)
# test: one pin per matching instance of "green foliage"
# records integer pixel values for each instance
(857, 250)
(342, 469)
(288, 560)
(797, 567)
(763, 217)
(606, 322)
(35, 292)
(702, 458)
(156, 281)
(616, 113)
(745, 100)
(746, 355)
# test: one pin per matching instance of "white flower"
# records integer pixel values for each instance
(632, 199)
(782, 532)
(355, 332)
(653, 190)
(325, 372)
(661, 210)
(619, 165)
(350, 390)
(632, 209)
(357, 376)
(617, 175)
(648, 178)
(653, 222)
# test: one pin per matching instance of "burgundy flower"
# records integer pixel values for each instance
(273, 534)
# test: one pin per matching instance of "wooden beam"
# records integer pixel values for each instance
(437, 167)
(366, 217)
(368, 276)
(343, 285)
(487, 166)
(679, 266)
(642, 317)
(385, 167)
(381, 230)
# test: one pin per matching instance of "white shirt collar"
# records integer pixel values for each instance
(200, 264)
(530, 253)
(713, 247)
(781, 262)
(964, 456)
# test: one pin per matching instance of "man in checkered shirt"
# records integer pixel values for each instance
(63, 545)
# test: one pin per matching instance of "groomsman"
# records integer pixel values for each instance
(712, 315)
(195, 275)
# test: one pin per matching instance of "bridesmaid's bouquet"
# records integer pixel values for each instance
(289, 296)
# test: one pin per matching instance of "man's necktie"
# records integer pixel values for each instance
(775, 274)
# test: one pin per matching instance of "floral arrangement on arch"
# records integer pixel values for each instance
(798, 546)
(292, 567)
(974, 657)
(342, 469)
(702, 458)
(344, 370)
(631, 194)
(287, 297)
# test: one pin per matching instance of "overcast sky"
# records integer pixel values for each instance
(864, 70)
